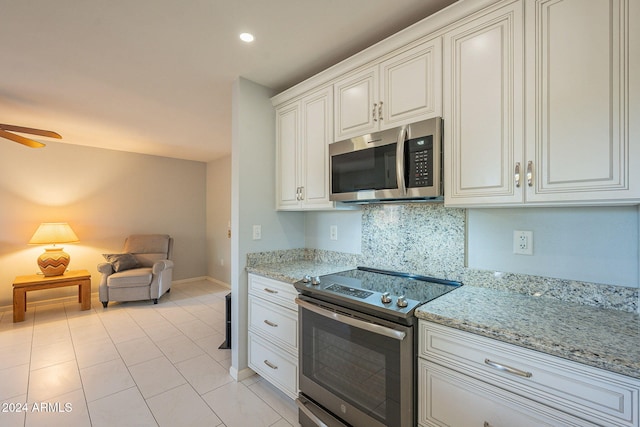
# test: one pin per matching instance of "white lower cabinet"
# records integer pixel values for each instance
(454, 399)
(468, 380)
(273, 333)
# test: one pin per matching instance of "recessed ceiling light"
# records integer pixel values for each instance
(246, 37)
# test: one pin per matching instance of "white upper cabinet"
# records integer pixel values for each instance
(579, 101)
(287, 155)
(404, 88)
(356, 107)
(483, 107)
(317, 131)
(563, 136)
(303, 132)
(539, 100)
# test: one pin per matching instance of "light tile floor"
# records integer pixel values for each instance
(132, 364)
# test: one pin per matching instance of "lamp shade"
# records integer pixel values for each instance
(52, 233)
(54, 261)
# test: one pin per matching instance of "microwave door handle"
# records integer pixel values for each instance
(356, 323)
(402, 135)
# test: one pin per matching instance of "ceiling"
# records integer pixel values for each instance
(155, 76)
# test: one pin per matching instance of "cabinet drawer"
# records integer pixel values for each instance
(594, 394)
(274, 323)
(275, 365)
(453, 399)
(273, 290)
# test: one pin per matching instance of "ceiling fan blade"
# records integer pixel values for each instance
(21, 139)
(32, 131)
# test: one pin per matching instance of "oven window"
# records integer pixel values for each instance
(359, 367)
(369, 169)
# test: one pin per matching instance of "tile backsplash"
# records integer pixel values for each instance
(429, 239)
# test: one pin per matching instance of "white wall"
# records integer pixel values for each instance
(219, 219)
(104, 195)
(253, 203)
(590, 244)
(349, 225)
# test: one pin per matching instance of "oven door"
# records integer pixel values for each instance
(359, 368)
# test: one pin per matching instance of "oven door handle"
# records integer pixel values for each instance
(357, 323)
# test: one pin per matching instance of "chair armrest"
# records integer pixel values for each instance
(105, 268)
(162, 265)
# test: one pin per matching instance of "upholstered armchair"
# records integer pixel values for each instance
(143, 271)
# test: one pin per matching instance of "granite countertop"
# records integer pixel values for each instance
(292, 271)
(604, 338)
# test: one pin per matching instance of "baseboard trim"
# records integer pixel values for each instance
(71, 298)
(243, 374)
(201, 278)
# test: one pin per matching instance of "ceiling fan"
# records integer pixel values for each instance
(6, 132)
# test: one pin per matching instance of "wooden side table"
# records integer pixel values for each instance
(35, 282)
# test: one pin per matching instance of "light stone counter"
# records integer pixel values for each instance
(292, 271)
(604, 338)
(292, 265)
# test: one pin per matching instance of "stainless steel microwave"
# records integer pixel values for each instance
(400, 164)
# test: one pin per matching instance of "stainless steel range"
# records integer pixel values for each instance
(358, 346)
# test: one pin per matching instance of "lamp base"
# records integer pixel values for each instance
(53, 262)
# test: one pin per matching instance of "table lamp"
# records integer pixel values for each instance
(54, 261)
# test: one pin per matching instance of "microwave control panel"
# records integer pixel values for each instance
(419, 168)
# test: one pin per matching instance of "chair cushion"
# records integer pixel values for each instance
(130, 278)
(147, 243)
(121, 262)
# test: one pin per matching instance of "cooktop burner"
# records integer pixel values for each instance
(379, 292)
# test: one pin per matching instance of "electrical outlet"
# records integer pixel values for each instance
(257, 232)
(523, 242)
(333, 232)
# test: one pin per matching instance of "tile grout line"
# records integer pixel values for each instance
(86, 401)
(174, 364)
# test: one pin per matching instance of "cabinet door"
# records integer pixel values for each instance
(274, 364)
(483, 109)
(449, 398)
(317, 134)
(579, 136)
(356, 105)
(287, 155)
(411, 85)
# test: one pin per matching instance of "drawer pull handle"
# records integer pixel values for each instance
(508, 369)
(269, 364)
(274, 325)
(271, 291)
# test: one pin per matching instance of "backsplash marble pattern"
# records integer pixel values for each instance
(429, 239)
(418, 238)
